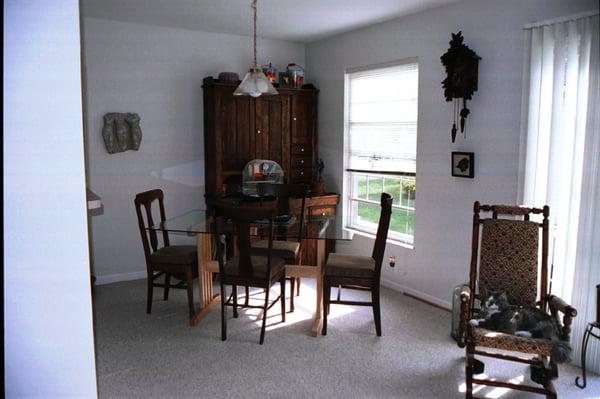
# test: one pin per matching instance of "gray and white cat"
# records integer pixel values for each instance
(499, 315)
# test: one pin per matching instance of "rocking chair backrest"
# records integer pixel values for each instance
(506, 258)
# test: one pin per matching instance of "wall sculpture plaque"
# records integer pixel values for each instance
(121, 132)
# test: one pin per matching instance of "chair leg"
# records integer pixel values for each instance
(469, 373)
(223, 320)
(549, 386)
(292, 284)
(247, 296)
(543, 374)
(235, 292)
(189, 282)
(264, 322)
(149, 295)
(167, 286)
(326, 292)
(376, 309)
(327, 305)
(282, 298)
(297, 286)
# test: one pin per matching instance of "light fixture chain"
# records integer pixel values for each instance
(254, 8)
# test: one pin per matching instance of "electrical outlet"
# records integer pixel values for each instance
(392, 261)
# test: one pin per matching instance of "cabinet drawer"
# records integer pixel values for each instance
(301, 174)
(301, 149)
(322, 210)
(301, 162)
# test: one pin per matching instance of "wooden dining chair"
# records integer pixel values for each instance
(359, 272)
(244, 268)
(178, 261)
(284, 246)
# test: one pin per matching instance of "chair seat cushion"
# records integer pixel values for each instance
(281, 249)
(341, 265)
(510, 342)
(176, 254)
(259, 266)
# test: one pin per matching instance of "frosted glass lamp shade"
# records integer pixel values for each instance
(254, 84)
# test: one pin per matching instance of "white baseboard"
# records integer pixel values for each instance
(421, 295)
(116, 278)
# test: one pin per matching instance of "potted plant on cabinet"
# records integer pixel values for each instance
(318, 185)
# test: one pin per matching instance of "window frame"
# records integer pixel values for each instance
(349, 197)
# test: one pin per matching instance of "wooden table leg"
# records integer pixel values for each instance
(206, 268)
(316, 325)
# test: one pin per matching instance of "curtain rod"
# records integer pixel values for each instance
(561, 19)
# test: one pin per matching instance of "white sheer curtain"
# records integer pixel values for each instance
(562, 158)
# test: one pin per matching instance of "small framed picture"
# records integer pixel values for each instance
(463, 164)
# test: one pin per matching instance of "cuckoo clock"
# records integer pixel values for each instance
(461, 65)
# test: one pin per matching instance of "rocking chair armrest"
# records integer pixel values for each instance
(556, 304)
(465, 316)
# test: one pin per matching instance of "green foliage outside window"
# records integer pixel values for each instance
(402, 189)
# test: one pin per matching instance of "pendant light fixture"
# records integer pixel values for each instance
(255, 83)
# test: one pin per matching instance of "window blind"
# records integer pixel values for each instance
(382, 119)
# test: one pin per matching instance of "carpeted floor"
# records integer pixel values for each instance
(160, 356)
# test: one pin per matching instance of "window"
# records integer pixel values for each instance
(381, 146)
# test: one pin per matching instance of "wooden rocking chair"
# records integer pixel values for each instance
(506, 259)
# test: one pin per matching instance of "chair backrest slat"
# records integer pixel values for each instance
(382, 231)
(598, 303)
(150, 220)
(237, 222)
(149, 238)
(284, 193)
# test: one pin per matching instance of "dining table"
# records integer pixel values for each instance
(200, 223)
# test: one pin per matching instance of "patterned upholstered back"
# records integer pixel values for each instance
(509, 259)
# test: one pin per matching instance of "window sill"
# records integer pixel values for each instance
(372, 236)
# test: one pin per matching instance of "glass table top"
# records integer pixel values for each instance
(197, 221)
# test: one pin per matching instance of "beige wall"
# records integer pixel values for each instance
(156, 72)
(48, 332)
(494, 29)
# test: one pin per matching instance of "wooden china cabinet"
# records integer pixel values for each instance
(281, 128)
(238, 129)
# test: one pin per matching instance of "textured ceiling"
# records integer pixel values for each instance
(299, 21)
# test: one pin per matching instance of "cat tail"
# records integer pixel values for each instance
(561, 351)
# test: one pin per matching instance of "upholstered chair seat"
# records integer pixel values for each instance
(259, 266)
(178, 254)
(281, 249)
(342, 265)
(511, 342)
